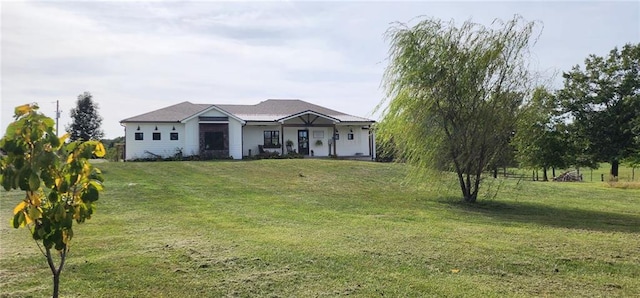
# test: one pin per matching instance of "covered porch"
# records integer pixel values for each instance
(311, 134)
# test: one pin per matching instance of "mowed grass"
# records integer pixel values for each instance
(326, 228)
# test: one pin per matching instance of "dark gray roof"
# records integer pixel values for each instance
(268, 110)
(274, 109)
(174, 113)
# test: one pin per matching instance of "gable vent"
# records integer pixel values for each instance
(213, 119)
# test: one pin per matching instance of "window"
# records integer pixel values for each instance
(139, 136)
(173, 136)
(350, 136)
(271, 139)
(156, 136)
(214, 140)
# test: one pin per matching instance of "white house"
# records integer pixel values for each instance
(235, 131)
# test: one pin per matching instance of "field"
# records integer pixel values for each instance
(326, 228)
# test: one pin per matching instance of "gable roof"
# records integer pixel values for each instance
(267, 111)
(174, 113)
(276, 109)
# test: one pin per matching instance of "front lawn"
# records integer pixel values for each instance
(318, 228)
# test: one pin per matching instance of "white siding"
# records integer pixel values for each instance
(192, 137)
(188, 139)
(235, 138)
(358, 146)
(164, 147)
(253, 135)
(319, 150)
(214, 113)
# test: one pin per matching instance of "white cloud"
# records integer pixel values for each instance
(138, 56)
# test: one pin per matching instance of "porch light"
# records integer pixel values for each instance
(350, 130)
(138, 127)
(174, 128)
(156, 127)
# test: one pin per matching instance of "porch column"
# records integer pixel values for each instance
(281, 138)
(335, 152)
(372, 134)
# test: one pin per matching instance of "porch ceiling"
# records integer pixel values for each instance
(309, 117)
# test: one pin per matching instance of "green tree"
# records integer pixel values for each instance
(60, 184)
(603, 101)
(541, 135)
(453, 94)
(86, 121)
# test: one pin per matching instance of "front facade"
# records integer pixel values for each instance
(221, 131)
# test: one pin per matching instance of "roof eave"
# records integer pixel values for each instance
(281, 120)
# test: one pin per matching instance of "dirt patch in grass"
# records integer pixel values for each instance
(624, 184)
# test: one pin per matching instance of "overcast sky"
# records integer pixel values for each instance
(135, 57)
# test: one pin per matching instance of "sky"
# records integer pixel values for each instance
(135, 57)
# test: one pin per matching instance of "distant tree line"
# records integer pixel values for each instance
(594, 118)
(461, 99)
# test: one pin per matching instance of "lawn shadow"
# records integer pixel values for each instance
(526, 212)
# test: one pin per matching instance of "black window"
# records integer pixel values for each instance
(156, 136)
(214, 140)
(350, 136)
(139, 136)
(271, 139)
(173, 136)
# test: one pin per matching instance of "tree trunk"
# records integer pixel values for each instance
(468, 196)
(544, 174)
(614, 168)
(56, 284)
(553, 172)
(495, 172)
(56, 271)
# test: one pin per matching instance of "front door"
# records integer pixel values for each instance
(303, 142)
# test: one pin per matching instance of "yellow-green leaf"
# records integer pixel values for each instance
(23, 109)
(19, 207)
(99, 150)
(63, 138)
(34, 213)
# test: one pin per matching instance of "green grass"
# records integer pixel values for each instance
(325, 228)
(625, 173)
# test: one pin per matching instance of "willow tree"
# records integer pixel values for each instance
(59, 183)
(452, 93)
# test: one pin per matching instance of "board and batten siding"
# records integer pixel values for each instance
(358, 146)
(188, 138)
(235, 139)
(253, 135)
(192, 132)
(164, 147)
